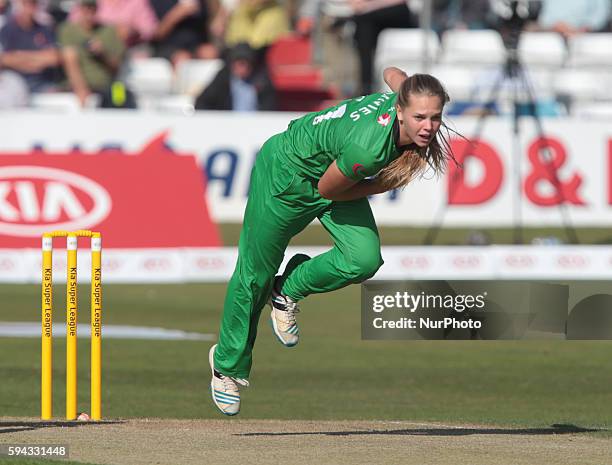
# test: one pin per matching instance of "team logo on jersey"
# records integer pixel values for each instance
(358, 169)
(384, 120)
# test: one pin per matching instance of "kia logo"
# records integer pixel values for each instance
(36, 199)
(210, 262)
(572, 261)
(467, 261)
(519, 261)
(419, 262)
(111, 265)
(7, 264)
(153, 264)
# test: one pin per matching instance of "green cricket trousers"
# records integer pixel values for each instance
(282, 203)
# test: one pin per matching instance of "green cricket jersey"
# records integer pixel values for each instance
(357, 133)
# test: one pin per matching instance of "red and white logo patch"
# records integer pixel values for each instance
(358, 169)
(384, 120)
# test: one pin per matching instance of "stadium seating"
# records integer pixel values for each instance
(405, 45)
(148, 76)
(405, 49)
(542, 50)
(291, 66)
(299, 83)
(592, 50)
(176, 104)
(572, 85)
(192, 76)
(460, 81)
(592, 110)
(468, 62)
(63, 102)
(472, 47)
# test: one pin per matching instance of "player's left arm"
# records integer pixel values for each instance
(394, 77)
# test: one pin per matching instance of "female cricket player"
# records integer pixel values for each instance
(323, 166)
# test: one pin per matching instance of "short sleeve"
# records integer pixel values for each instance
(358, 163)
(68, 35)
(113, 45)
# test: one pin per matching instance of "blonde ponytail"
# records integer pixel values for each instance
(436, 155)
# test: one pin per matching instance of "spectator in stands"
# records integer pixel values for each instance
(461, 14)
(183, 30)
(29, 48)
(41, 15)
(134, 20)
(371, 17)
(58, 10)
(4, 9)
(256, 22)
(92, 52)
(311, 11)
(570, 17)
(329, 24)
(240, 85)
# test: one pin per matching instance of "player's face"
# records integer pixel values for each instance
(421, 119)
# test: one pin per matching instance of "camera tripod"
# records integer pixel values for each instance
(513, 72)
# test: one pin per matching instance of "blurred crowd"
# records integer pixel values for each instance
(82, 46)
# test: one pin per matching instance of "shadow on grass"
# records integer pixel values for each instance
(18, 426)
(554, 429)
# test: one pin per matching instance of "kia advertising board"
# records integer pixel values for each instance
(567, 174)
(151, 198)
(156, 185)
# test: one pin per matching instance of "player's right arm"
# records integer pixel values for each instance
(334, 185)
(394, 77)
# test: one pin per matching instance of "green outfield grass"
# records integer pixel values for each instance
(331, 374)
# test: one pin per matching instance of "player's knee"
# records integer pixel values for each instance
(364, 265)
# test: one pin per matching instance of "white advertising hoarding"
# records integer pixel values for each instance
(212, 264)
(498, 185)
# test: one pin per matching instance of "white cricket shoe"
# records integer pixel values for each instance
(282, 317)
(224, 389)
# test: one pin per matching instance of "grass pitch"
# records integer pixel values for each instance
(331, 375)
(333, 399)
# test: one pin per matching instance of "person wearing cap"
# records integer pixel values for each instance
(92, 52)
(4, 9)
(240, 86)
